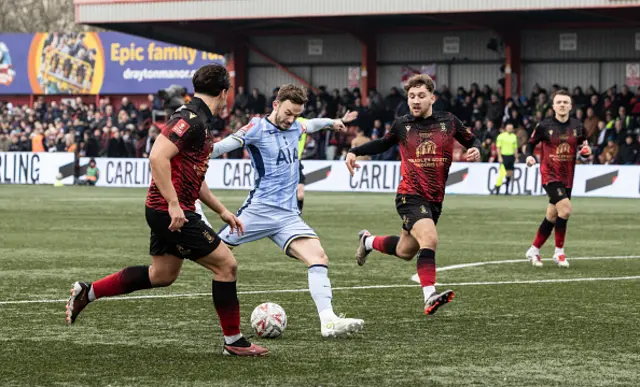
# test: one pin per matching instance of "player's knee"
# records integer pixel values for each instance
(163, 277)
(317, 258)
(228, 270)
(407, 255)
(564, 211)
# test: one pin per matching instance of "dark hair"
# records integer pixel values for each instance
(211, 80)
(420, 80)
(560, 92)
(293, 93)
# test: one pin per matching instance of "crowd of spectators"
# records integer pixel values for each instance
(611, 119)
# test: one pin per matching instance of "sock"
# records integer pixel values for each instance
(428, 291)
(320, 289)
(92, 294)
(300, 204)
(427, 267)
(559, 250)
(561, 231)
(543, 233)
(385, 244)
(368, 242)
(498, 190)
(125, 281)
(506, 190)
(225, 300)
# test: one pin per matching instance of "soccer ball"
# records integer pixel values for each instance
(268, 320)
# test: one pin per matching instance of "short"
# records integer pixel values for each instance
(509, 162)
(263, 221)
(412, 208)
(557, 191)
(302, 179)
(194, 241)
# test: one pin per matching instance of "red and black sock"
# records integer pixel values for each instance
(225, 300)
(543, 233)
(561, 231)
(386, 244)
(427, 267)
(125, 281)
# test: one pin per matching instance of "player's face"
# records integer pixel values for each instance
(286, 113)
(420, 100)
(509, 128)
(562, 105)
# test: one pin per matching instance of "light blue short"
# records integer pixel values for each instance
(263, 221)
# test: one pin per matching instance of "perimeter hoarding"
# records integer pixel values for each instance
(95, 63)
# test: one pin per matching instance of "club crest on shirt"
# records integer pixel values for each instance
(443, 127)
(180, 127)
(408, 128)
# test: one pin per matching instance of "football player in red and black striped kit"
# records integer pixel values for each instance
(426, 141)
(561, 138)
(179, 162)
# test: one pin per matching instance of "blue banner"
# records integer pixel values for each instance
(95, 63)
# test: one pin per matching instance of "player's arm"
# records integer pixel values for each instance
(536, 137)
(467, 139)
(227, 145)
(371, 148)
(160, 159)
(210, 200)
(181, 129)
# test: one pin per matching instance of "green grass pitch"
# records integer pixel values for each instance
(509, 325)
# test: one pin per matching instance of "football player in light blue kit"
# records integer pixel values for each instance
(271, 210)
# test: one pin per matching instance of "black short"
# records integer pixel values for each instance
(302, 179)
(509, 162)
(194, 241)
(557, 191)
(412, 208)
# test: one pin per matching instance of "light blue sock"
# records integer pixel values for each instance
(320, 288)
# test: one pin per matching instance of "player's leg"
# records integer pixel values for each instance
(310, 252)
(563, 208)
(509, 165)
(163, 272)
(200, 211)
(424, 231)
(223, 265)
(404, 246)
(545, 228)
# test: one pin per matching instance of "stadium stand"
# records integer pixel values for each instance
(124, 129)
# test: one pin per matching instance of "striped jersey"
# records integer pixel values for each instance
(274, 157)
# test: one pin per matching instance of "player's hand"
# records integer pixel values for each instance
(234, 223)
(473, 154)
(585, 151)
(531, 161)
(339, 125)
(349, 116)
(177, 217)
(351, 163)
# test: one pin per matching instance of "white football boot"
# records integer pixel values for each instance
(341, 326)
(560, 259)
(533, 255)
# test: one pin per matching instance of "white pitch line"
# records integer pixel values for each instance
(444, 268)
(523, 282)
(474, 264)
